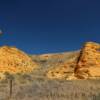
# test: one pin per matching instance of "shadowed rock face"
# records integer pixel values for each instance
(88, 64)
(13, 60)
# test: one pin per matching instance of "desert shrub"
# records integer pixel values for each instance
(27, 77)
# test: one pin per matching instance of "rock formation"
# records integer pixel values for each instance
(13, 60)
(88, 63)
(81, 64)
(61, 71)
(64, 68)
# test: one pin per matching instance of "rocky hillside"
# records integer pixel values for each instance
(88, 63)
(56, 66)
(85, 65)
(44, 77)
(81, 64)
(14, 61)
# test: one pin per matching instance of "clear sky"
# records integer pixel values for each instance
(42, 26)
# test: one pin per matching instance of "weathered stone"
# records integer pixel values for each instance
(61, 71)
(88, 64)
(13, 60)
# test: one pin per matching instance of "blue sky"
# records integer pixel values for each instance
(43, 26)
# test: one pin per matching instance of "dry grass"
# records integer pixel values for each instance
(44, 89)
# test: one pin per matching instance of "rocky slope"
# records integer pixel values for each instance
(88, 63)
(81, 64)
(56, 66)
(14, 61)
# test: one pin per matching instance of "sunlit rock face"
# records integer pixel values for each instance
(81, 64)
(13, 60)
(62, 71)
(88, 63)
